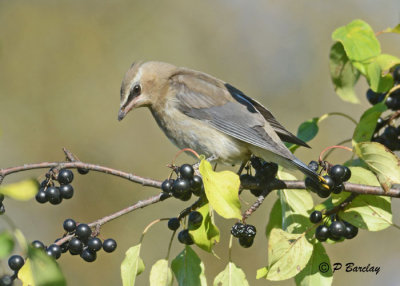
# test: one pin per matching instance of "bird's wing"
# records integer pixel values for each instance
(205, 98)
(279, 129)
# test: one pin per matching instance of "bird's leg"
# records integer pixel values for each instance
(239, 172)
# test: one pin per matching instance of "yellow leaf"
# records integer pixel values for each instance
(25, 274)
(21, 191)
(222, 190)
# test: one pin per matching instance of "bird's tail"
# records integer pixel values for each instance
(307, 171)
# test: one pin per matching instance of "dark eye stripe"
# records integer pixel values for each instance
(135, 91)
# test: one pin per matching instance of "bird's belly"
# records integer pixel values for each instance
(186, 132)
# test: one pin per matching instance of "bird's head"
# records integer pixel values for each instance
(144, 85)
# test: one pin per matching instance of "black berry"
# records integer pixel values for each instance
(37, 244)
(351, 230)
(322, 233)
(311, 185)
(337, 229)
(323, 192)
(88, 255)
(315, 216)
(195, 219)
(167, 185)
(246, 242)
(83, 231)
(53, 195)
(392, 102)
(347, 174)
(41, 196)
(329, 182)
(186, 171)
(67, 191)
(6, 280)
(256, 163)
(374, 97)
(83, 171)
(196, 185)
(75, 246)
(184, 237)
(338, 189)
(65, 176)
(16, 262)
(55, 250)
(174, 223)
(313, 165)
(337, 173)
(109, 245)
(186, 196)
(396, 74)
(180, 188)
(69, 225)
(250, 231)
(94, 244)
(238, 230)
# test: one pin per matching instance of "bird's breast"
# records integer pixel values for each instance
(186, 132)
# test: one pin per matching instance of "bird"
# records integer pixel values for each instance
(198, 111)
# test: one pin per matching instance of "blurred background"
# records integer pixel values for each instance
(61, 64)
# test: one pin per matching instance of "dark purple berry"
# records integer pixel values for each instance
(65, 176)
(338, 189)
(392, 102)
(94, 244)
(322, 233)
(347, 174)
(196, 185)
(374, 97)
(67, 191)
(238, 230)
(53, 195)
(186, 171)
(69, 225)
(88, 255)
(55, 250)
(194, 220)
(184, 237)
(250, 231)
(167, 185)
(83, 231)
(246, 241)
(337, 229)
(37, 244)
(174, 223)
(75, 246)
(337, 173)
(6, 280)
(180, 188)
(315, 216)
(16, 262)
(41, 196)
(83, 171)
(109, 245)
(351, 230)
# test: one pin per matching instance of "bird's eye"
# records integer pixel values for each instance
(137, 90)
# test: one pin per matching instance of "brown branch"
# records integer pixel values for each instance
(98, 223)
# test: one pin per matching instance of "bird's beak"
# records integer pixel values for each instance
(121, 114)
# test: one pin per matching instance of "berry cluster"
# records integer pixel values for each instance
(265, 172)
(15, 263)
(185, 185)
(245, 233)
(385, 133)
(83, 243)
(195, 220)
(337, 230)
(48, 192)
(333, 181)
(2, 208)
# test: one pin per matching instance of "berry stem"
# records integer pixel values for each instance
(170, 245)
(339, 114)
(332, 147)
(146, 229)
(331, 150)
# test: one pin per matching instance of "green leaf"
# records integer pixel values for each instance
(188, 268)
(21, 191)
(367, 211)
(25, 274)
(306, 132)
(366, 127)
(393, 30)
(161, 274)
(386, 61)
(231, 276)
(275, 218)
(43, 269)
(132, 265)
(358, 40)
(288, 254)
(208, 233)
(377, 81)
(6, 244)
(311, 274)
(343, 74)
(381, 161)
(222, 190)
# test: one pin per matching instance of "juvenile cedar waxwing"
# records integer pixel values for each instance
(198, 111)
